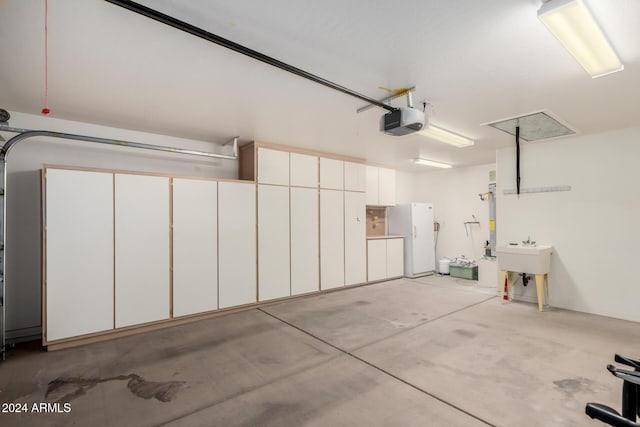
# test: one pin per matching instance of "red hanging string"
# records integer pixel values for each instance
(46, 110)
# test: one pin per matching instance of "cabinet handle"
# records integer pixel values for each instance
(415, 232)
(358, 218)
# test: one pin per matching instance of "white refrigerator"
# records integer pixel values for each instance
(414, 221)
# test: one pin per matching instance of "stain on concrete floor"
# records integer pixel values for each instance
(67, 389)
(571, 386)
(465, 333)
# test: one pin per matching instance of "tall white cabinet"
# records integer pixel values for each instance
(79, 253)
(141, 249)
(331, 239)
(195, 246)
(236, 243)
(355, 238)
(274, 279)
(305, 222)
(355, 223)
(305, 253)
(273, 242)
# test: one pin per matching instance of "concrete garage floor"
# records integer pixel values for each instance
(430, 351)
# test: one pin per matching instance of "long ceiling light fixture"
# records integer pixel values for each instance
(426, 162)
(574, 26)
(446, 136)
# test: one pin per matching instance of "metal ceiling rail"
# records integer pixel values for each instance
(213, 38)
(24, 134)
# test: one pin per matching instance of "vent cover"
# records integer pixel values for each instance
(534, 127)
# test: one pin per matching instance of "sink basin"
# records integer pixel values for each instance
(525, 259)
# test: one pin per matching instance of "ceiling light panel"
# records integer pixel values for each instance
(446, 136)
(432, 163)
(574, 26)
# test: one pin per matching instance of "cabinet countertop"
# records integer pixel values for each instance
(384, 237)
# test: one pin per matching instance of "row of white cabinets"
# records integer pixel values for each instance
(311, 218)
(277, 167)
(381, 186)
(109, 249)
(304, 237)
(130, 249)
(385, 258)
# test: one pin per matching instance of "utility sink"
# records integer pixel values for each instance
(525, 258)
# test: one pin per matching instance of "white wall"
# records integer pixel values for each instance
(454, 194)
(405, 187)
(594, 227)
(23, 256)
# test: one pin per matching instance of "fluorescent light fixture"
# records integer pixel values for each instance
(572, 23)
(446, 136)
(426, 162)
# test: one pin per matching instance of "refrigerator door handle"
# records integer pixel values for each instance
(415, 232)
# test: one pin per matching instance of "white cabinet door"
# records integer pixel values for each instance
(395, 257)
(305, 270)
(273, 242)
(372, 186)
(142, 249)
(331, 239)
(273, 166)
(195, 246)
(376, 259)
(79, 253)
(355, 176)
(355, 238)
(331, 174)
(236, 243)
(304, 170)
(387, 190)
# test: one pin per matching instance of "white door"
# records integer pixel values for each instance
(79, 253)
(423, 240)
(305, 262)
(195, 246)
(273, 242)
(331, 174)
(372, 185)
(355, 176)
(355, 238)
(273, 166)
(142, 249)
(304, 170)
(395, 257)
(237, 243)
(331, 239)
(377, 259)
(387, 187)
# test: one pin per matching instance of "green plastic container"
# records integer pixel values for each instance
(464, 272)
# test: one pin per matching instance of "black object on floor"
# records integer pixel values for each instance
(630, 396)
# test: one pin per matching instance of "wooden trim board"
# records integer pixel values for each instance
(130, 172)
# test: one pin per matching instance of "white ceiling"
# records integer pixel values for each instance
(476, 61)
